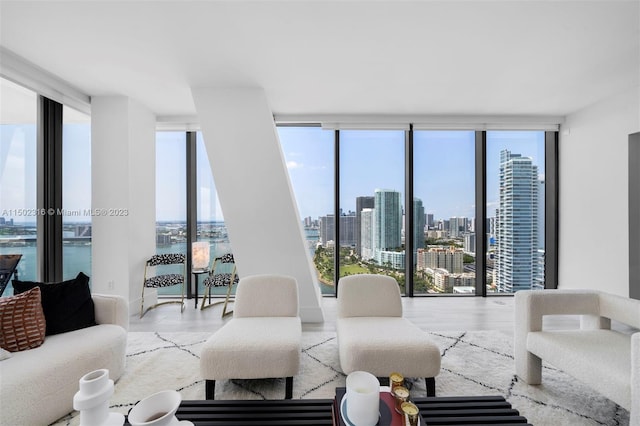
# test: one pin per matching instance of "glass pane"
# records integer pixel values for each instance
(171, 196)
(210, 220)
(444, 203)
(76, 193)
(515, 206)
(371, 204)
(309, 155)
(18, 155)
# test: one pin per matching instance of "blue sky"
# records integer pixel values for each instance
(443, 168)
(18, 169)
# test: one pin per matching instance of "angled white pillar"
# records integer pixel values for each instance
(122, 196)
(254, 190)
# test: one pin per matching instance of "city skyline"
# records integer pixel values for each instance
(443, 174)
(308, 153)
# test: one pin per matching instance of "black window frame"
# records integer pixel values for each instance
(551, 212)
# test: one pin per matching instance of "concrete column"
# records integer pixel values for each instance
(123, 196)
(254, 190)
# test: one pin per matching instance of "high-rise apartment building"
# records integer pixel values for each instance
(451, 259)
(517, 223)
(327, 232)
(418, 223)
(366, 234)
(387, 219)
(347, 229)
(361, 204)
(457, 226)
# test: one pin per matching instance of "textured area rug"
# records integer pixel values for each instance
(473, 363)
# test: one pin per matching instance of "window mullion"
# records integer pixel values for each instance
(481, 213)
(192, 204)
(409, 224)
(49, 190)
(336, 211)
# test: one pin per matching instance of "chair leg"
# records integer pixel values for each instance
(288, 393)
(431, 385)
(142, 312)
(226, 302)
(182, 297)
(204, 297)
(209, 389)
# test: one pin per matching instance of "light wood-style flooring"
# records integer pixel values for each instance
(429, 313)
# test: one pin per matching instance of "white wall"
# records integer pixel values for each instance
(123, 184)
(593, 203)
(254, 190)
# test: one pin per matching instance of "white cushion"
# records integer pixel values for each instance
(369, 295)
(599, 358)
(382, 345)
(266, 295)
(253, 348)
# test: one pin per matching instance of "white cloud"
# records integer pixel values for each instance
(293, 165)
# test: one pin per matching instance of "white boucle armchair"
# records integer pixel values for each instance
(605, 359)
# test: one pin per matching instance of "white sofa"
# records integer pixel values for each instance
(37, 385)
(605, 359)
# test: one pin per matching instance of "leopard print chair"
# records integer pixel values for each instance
(164, 279)
(223, 273)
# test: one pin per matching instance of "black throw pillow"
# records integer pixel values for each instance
(67, 305)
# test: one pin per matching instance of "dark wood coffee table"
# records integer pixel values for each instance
(459, 410)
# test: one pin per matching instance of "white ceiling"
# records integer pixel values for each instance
(338, 57)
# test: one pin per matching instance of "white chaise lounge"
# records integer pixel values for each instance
(262, 340)
(606, 360)
(374, 337)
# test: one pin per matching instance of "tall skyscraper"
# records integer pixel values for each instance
(366, 234)
(457, 226)
(387, 219)
(418, 224)
(517, 223)
(327, 224)
(361, 204)
(347, 229)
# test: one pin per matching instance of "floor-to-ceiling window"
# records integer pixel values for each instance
(210, 219)
(45, 185)
(371, 211)
(76, 193)
(309, 154)
(18, 165)
(516, 210)
(171, 196)
(449, 172)
(444, 217)
(173, 227)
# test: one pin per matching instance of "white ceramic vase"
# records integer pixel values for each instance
(92, 400)
(158, 409)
